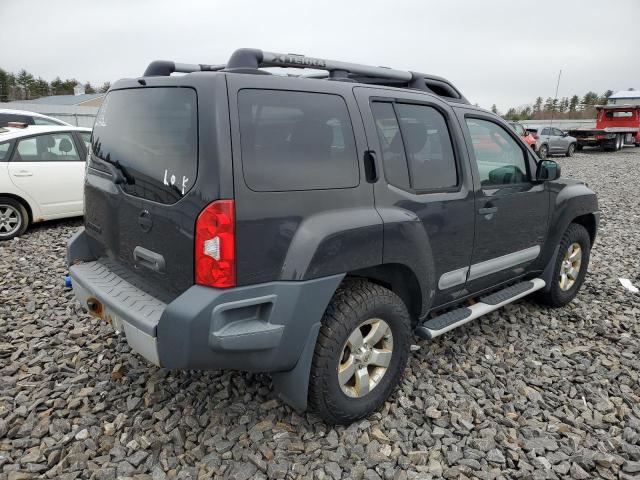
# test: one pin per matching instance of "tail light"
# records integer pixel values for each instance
(215, 245)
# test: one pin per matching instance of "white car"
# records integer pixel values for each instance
(41, 175)
(29, 118)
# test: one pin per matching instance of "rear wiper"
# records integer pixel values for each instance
(118, 173)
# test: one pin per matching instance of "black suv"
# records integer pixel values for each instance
(307, 225)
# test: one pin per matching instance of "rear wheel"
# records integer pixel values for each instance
(361, 352)
(570, 267)
(13, 218)
(571, 150)
(543, 152)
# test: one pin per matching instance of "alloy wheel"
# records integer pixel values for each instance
(365, 357)
(570, 267)
(10, 220)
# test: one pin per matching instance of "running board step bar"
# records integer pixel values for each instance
(435, 327)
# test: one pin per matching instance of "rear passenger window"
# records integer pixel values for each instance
(55, 147)
(296, 141)
(393, 157)
(428, 147)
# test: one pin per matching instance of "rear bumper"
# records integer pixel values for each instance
(254, 328)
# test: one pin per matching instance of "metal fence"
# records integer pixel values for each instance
(563, 124)
(75, 115)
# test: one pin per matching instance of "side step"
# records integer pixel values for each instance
(435, 327)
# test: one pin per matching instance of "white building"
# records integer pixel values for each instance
(625, 97)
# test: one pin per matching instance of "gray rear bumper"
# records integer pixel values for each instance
(254, 328)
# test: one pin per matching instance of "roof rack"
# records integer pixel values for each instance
(250, 60)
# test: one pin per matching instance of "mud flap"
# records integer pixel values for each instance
(292, 386)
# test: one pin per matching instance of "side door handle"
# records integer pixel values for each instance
(23, 173)
(370, 170)
(487, 210)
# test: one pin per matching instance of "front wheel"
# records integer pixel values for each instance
(571, 150)
(543, 152)
(361, 352)
(570, 267)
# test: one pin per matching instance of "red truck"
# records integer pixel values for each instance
(616, 126)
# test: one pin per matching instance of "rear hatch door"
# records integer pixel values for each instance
(149, 149)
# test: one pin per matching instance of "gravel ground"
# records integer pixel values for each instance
(526, 392)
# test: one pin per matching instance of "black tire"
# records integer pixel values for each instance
(543, 152)
(355, 302)
(556, 296)
(571, 150)
(579, 147)
(12, 211)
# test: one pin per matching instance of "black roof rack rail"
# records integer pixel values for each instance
(251, 60)
(164, 68)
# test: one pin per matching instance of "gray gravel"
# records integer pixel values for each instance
(524, 393)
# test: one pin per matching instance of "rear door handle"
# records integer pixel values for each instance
(487, 210)
(23, 173)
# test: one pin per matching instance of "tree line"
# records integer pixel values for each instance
(25, 86)
(574, 107)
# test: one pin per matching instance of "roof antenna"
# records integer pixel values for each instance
(553, 109)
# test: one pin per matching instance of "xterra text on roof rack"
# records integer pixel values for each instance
(306, 226)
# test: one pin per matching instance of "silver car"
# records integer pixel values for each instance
(552, 141)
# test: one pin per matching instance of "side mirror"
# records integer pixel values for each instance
(548, 170)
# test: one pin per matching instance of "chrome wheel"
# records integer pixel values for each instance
(570, 267)
(365, 357)
(10, 220)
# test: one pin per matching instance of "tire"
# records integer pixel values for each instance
(571, 150)
(579, 147)
(14, 218)
(543, 152)
(556, 295)
(354, 304)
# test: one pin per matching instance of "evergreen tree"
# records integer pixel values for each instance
(88, 88)
(494, 109)
(573, 103)
(537, 106)
(105, 86)
(25, 80)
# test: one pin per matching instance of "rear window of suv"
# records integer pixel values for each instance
(296, 141)
(151, 135)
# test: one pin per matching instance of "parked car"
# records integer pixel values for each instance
(552, 141)
(306, 227)
(524, 133)
(41, 175)
(28, 118)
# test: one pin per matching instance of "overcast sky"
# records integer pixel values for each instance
(505, 52)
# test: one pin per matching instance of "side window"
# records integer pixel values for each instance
(86, 138)
(427, 144)
(44, 121)
(55, 147)
(546, 131)
(296, 141)
(5, 118)
(499, 157)
(4, 149)
(557, 132)
(393, 157)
